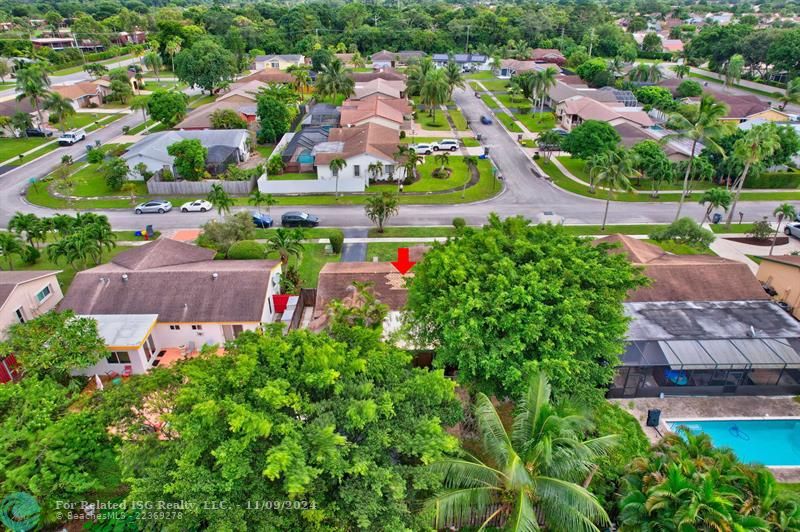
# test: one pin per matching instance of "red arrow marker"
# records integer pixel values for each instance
(403, 264)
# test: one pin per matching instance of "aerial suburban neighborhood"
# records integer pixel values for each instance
(400, 266)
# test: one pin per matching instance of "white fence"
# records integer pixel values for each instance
(309, 186)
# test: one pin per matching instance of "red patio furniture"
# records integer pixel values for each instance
(128, 371)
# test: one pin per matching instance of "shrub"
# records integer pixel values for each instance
(275, 165)
(30, 255)
(95, 156)
(440, 173)
(246, 250)
(125, 129)
(459, 223)
(686, 231)
(536, 157)
(762, 230)
(166, 175)
(337, 241)
(290, 280)
(402, 134)
(689, 88)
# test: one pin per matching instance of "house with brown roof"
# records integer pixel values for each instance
(548, 55)
(359, 146)
(387, 73)
(743, 107)
(242, 98)
(380, 87)
(168, 296)
(576, 110)
(83, 94)
(269, 75)
(375, 109)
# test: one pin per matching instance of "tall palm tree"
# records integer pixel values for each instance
(152, 60)
(614, 173)
(531, 476)
(547, 80)
(782, 211)
(32, 83)
(791, 94)
(433, 91)
(59, 107)
(141, 102)
(757, 144)
(29, 224)
(286, 243)
(220, 199)
(173, 48)
(10, 245)
(698, 123)
(715, 198)
(454, 77)
(416, 75)
(336, 166)
(302, 80)
(333, 81)
(258, 198)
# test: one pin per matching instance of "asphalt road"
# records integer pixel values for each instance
(523, 193)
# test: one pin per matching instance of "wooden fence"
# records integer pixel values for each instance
(198, 188)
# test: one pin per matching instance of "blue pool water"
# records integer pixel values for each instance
(772, 442)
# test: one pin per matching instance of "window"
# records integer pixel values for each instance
(119, 357)
(174, 327)
(20, 315)
(43, 294)
(356, 170)
(389, 169)
(275, 65)
(197, 327)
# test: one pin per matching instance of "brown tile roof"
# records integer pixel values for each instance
(176, 281)
(377, 140)
(739, 105)
(383, 73)
(383, 55)
(789, 260)
(590, 109)
(10, 280)
(390, 88)
(547, 54)
(77, 90)
(269, 75)
(686, 277)
(10, 107)
(355, 111)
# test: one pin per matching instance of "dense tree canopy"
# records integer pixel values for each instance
(590, 138)
(512, 297)
(206, 64)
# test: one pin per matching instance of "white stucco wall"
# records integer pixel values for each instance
(348, 172)
(24, 297)
(310, 186)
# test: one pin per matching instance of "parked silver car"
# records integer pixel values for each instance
(159, 206)
(792, 229)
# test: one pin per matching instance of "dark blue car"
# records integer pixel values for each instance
(486, 121)
(261, 220)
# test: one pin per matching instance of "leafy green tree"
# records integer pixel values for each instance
(592, 71)
(653, 164)
(227, 119)
(205, 64)
(152, 60)
(173, 48)
(657, 97)
(95, 70)
(614, 172)
(781, 212)
(684, 231)
(54, 344)
(333, 81)
(168, 107)
(274, 119)
(345, 426)
(791, 94)
(589, 138)
(757, 144)
(221, 200)
(544, 302)
(10, 245)
(715, 198)
(381, 207)
(531, 475)
(115, 170)
(190, 158)
(548, 142)
(286, 243)
(689, 88)
(651, 42)
(733, 72)
(221, 235)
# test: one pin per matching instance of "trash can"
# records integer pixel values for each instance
(653, 417)
(717, 218)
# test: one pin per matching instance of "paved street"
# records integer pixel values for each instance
(524, 193)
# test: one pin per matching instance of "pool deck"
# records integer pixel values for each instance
(682, 408)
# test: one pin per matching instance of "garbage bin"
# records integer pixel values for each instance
(717, 218)
(653, 417)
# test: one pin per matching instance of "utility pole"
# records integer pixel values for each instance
(466, 47)
(591, 41)
(375, 19)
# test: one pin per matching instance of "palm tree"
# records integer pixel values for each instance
(286, 243)
(220, 199)
(434, 91)
(614, 173)
(442, 158)
(10, 245)
(336, 166)
(697, 123)
(784, 210)
(417, 74)
(375, 169)
(757, 144)
(152, 60)
(412, 160)
(548, 142)
(381, 207)
(130, 188)
(531, 477)
(141, 102)
(27, 223)
(302, 80)
(715, 198)
(547, 80)
(173, 48)
(333, 81)
(32, 83)
(59, 107)
(594, 164)
(454, 77)
(681, 70)
(791, 94)
(258, 198)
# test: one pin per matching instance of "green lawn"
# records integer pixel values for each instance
(775, 94)
(458, 119)
(625, 229)
(517, 102)
(289, 177)
(311, 262)
(141, 127)
(734, 228)
(495, 85)
(537, 122)
(436, 123)
(412, 232)
(80, 120)
(110, 63)
(68, 272)
(489, 101)
(201, 99)
(265, 151)
(13, 147)
(481, 75)
(427, 183)
(755, 258)
(385, 251)
(158, 127)
(104, 122)
(35, 154)
(309, 234)
(508, 122)
(89, 181)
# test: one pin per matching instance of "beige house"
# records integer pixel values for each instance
(578, 109)
(25, 295)
(375, 109)
(278, 61)
(781, 273)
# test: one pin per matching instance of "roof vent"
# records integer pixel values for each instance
(214, 276)
(124, 277)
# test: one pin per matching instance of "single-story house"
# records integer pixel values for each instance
(169, 297)
(564, 88)
(548, 55)
(386, 73)
(278, 61)
(346, 59)
(742, 107)
(577, 109)
(389, 112)
(13, 106)
(512, 67)
(675, 149)
(359, 146)
(225, 146)
(465, 61)
(242, 98)
(62, 43)
(380, 87)
(24, 295)
(385, 58)
(269, 75)
(83, 94)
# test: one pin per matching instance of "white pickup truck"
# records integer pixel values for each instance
(71, 137)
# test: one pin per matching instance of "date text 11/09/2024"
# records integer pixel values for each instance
(187, 505)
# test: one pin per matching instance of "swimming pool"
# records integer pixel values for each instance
(772, 442)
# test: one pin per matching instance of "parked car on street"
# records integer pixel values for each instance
(71, 137)
(159, 206)
(37, 132)
(485, 120)
(792, 229)
(299, 219)
(261, 220)
(422, 149)
(197, 206)
(446, 145)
